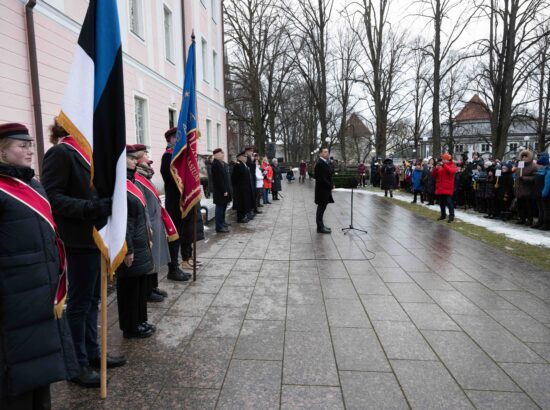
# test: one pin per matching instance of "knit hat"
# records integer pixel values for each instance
(446, 157)
(15, 131)
(543, 159)
(488, 164)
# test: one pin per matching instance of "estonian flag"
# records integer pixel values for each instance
(184, 166)
(93, 113)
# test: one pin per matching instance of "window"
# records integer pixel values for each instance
(171, 118)
(536, 146)
(204, 60)
(168, 43)
(141, 120)
(485, 147)
(209, 135)
(513, 146)
(213, 9)
(215, 68)
(218, 134)
(136, 18)
(459, 148)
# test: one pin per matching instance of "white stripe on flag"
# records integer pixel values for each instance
(78, 101)
(114, 232)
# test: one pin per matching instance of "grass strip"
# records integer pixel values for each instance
(535, 255)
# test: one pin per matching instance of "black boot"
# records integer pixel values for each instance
(88, 377)
(176, 274)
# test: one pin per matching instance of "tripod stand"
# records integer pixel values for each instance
(351, 227)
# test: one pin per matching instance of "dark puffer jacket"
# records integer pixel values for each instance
(137, 238)
(35, 348)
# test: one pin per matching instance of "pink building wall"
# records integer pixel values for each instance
(147, 73)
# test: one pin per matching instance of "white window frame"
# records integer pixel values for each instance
(173, 110)
(204, 57)
(215, 69)
(209, 135)
(203, 2)
(146, 135)
(168, 42)
(218, 134)
(140, 5)
(485, 145)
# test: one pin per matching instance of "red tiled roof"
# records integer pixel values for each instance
(474, 110)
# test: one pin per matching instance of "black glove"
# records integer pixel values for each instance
(104, 207)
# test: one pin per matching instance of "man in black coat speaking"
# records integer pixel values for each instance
(323, 188)
(220, 187)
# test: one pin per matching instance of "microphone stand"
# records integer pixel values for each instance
(351, 227)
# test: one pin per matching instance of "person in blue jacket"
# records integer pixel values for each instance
(542, 191)
(416, 181)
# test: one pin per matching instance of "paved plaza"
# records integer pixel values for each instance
(282, 317)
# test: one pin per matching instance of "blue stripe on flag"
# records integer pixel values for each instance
(107, 44)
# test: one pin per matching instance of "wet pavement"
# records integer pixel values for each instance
(282, 317)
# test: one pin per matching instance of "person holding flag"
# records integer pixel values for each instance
(38, 349)
(184, 166)
(85, 178)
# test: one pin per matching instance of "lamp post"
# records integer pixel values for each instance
(526, 139)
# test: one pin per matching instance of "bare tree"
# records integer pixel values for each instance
(541, 88)
(420, 95)
(309, 20)
(384, 50)
(449, 18)
(506, 65)
(254, 32)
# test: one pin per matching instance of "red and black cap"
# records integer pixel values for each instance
(131, 150)
(249, 148)
(217, 150)
(15, 131)
(168, 134)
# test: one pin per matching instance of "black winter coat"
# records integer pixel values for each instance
(171, 191)
(66, 179)
(137, 238)
(388, 175)
(242, 190)
(428, 181)
(220, 183)
(35, 348)
(277, 177)
(323, 183)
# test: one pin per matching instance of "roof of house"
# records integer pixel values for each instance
(474, 110)
(358, 127)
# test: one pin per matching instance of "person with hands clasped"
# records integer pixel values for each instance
(132, 281)
(444, 175)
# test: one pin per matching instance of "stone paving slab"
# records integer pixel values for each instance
(281, 317)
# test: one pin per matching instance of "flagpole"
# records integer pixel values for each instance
(103, 327)
(195, 207)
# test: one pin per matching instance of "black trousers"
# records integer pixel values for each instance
(37, 399)
(132, 302)
(444, 202)
(321, 208)
(543, 206)
(152, 282)
(525, 209)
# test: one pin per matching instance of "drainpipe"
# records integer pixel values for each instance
(183, 31)
(35, 85)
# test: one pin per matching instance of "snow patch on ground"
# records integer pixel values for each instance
(518, 233)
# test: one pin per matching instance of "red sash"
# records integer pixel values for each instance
(171, 230)
(70, 141)
(134, 190)
(28, 196)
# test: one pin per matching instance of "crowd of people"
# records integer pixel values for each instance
(508, 190)
(46, 230)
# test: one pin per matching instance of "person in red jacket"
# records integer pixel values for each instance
(444, 175)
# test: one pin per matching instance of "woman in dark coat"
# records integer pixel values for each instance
(35, 348)
(388, 180)
(277, 177)
(241, 188)
(132, 281)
